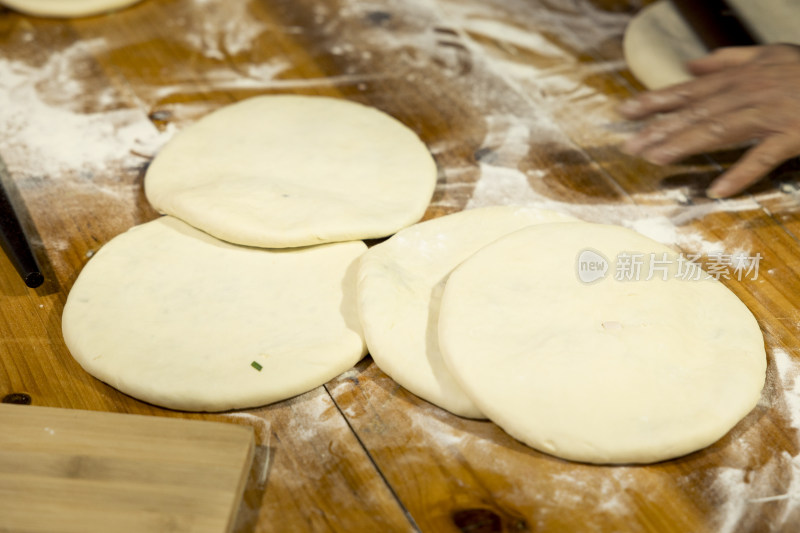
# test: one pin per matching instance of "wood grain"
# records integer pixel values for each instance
(64, 470)
(515, 99)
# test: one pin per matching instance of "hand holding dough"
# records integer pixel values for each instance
(739, 95)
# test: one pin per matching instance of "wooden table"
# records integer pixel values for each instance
(515, 98)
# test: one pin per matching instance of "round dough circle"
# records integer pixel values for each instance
(284, 171)
(174, 317)
(66, 8)
(400, 283)
(603, 372)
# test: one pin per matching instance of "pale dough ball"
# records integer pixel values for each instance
(285, 171)
(610, 371)
(172, 316)
(66, 8)
(400, 283)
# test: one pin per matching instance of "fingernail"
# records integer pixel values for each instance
(715, 192)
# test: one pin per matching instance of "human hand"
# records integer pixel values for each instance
(740, 95)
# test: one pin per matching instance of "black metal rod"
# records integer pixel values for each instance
(15, 245)
(715, 23)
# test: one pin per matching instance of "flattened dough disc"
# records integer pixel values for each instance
(66, 8)
(284, 171)
(603, 372)
(174, 317)
(400, 283)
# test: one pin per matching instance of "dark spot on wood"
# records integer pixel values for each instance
(477, 521)
(19, 398)
(452, 44)
(161, 115)
(445, 31)
(379, 17)
(75, 467)
(481, 520)
(483, 153)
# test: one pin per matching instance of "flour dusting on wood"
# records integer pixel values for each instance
(512, 61)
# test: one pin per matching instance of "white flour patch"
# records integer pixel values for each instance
(662, 229)
(47, 137)
(220, 29)
(788, 368)
(315, 411)
(259, 78)
(744, 492)
(437, 432)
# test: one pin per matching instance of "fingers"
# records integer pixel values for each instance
(716, 73)
(723, 58)
(704, 114)
(754, 165)
(672, 98)
(675, 138)
(741, 94)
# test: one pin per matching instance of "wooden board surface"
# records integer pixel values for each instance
(515, 99)
(65, 470)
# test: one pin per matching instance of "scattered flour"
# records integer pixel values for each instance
(48, 135)
(46, 138)
(220, 30)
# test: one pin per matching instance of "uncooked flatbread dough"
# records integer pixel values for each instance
(66, 8)
(605, 371)
(658, 42)
(657, 45)
(174, 317)
(283, 171)
(400, 283)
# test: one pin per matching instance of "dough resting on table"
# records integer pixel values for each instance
(603, 372)
(283, 171)
(174, 317)
(400, 283)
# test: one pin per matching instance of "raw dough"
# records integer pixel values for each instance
(657, 45)
(66, 8)
(658, 42)
(400, 283)
(603, 372)
(174, 317)
(282, 171)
